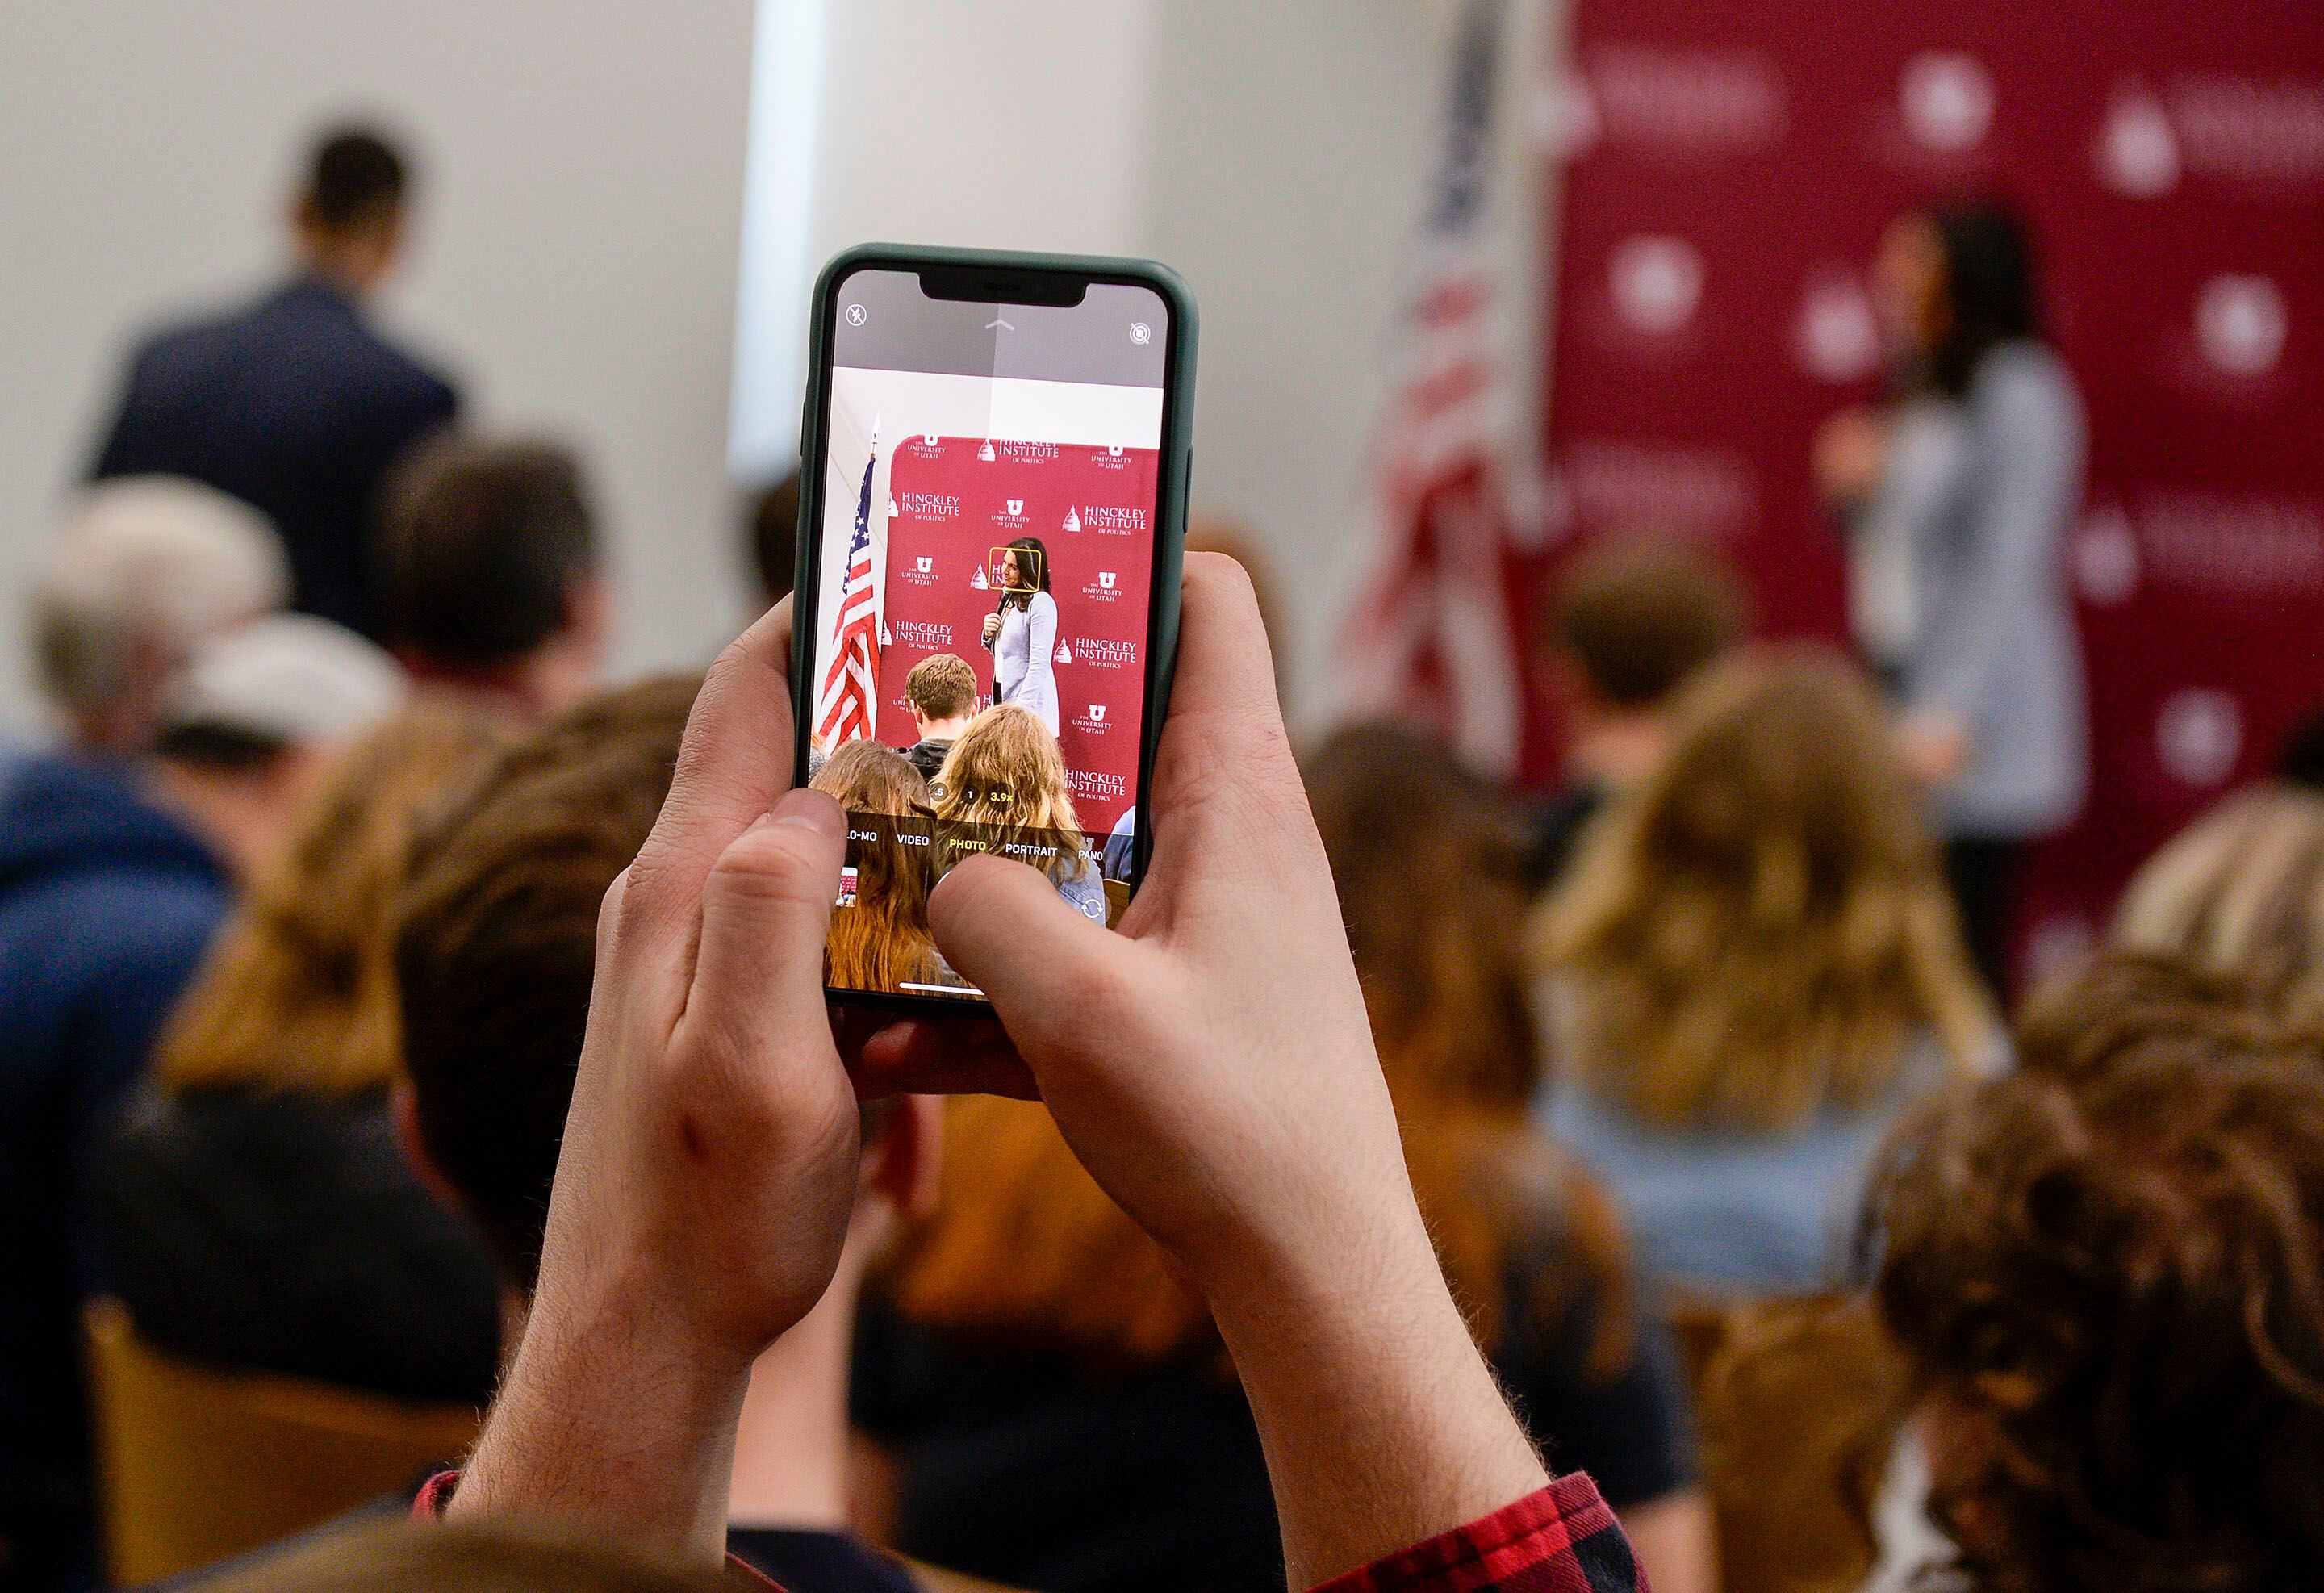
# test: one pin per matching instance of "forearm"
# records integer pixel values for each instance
(1382, 1425)
(598, 1423)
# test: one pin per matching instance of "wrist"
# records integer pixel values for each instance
(1382, 1424)
(611, 1417)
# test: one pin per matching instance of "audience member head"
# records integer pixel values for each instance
(495, 951)
(247, 728)
(349, 216)
(489, 570)
(2240, 892)
(1954, 281)
(1632, 622)
(1006, 774)
(1429, 863)
(774, 537)
(1757, 932)
(2105, 1275)
(142, 570)
(299, 993)
(942, 690)
(880, 939)
(493, 1556)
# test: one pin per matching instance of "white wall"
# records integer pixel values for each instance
(1275, 154)
(582, 215)
(1293, 145)
(580, 224)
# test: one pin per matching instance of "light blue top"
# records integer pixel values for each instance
(1736, 1213)
(1994, 642)
(1024, 653)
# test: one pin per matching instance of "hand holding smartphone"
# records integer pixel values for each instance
(994, 467)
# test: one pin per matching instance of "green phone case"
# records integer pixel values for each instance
(1169, 509)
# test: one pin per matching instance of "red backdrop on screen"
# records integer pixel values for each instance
(953, 502)
(1727, 172)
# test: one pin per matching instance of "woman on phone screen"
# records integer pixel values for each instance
(1022, 632)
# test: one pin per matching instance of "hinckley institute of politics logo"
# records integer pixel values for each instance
(1104, 586)
(1090, 785)
(920, 571)
(1102, 653)
(931, 506)
(1026, 453)
(1114, 520)
(1093, 720)
(932, 635)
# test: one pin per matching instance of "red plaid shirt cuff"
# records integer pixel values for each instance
(1562, 1540)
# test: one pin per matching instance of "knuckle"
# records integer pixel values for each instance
(774, 864)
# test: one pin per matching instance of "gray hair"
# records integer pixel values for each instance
(147, 566)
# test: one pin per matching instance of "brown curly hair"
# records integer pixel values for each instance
(2108, 1271)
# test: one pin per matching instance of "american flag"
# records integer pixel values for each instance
(843, 705)
(1429, 637)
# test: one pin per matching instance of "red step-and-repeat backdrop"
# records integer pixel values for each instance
(953, 503)
(1726, 172)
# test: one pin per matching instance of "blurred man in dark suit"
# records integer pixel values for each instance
(295, 403)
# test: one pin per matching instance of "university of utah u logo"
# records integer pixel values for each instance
(1015, 506)
(1097, 713)
(926, 564)
(1105, 580)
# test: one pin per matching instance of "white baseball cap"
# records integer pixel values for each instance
(286, 678)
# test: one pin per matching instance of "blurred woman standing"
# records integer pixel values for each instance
(1752, 970)
(1960, 497)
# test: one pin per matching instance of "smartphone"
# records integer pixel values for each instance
(994, 460)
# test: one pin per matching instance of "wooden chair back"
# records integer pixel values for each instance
(198, 1464)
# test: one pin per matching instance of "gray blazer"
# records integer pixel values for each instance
(1995, 644)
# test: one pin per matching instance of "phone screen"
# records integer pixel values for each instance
(984, 568)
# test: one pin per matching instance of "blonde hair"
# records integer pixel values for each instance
(2240, 891)
(1754, 933)
(300, 992)
(1007, 775)
(881, 939)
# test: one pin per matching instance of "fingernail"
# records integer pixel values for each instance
(811, 809)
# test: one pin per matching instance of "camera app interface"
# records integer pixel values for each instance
(979, 660)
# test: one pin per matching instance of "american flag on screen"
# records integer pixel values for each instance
(1429, 636)
(843, 705)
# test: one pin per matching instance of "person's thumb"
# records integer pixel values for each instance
(765, 910)
(1004, 926)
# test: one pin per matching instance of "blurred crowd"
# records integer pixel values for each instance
(1828, 1255)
